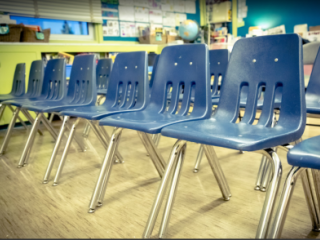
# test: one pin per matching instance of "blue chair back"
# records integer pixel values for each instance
(313, 89)
(218, 66)
(54, 82)
(274, 62)
(35, 79)
(82, 84)
(18, 85)
(128, 84)
(186, 65)
(103, 71)
(155, 63)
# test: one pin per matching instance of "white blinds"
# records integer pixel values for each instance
(75, 10)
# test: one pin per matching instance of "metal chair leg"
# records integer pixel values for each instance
(271, 194)
(50, 128)
(105, 181)
(266, 177)
(172, 193)
(51, 117)
(19, 118)
(55, 150)
(23, 159)
(284, 202)
(105, 169)
(65, 152)
(260, 173)
(30, 119)
(102, 134)
(170, 168)
(198, 160)
(2, 108)
(9, 131)
(152, 150)
(311, 200)
(86, 130)
(157, 139)
(217, 171)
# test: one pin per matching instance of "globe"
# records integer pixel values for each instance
(189, 30)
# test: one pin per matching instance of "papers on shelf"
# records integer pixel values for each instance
(155, 4)
(141, 14)
(168, 19)
(155, 16)
(126, 13)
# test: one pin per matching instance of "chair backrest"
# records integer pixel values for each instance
(35, 79)
(273, 62)
(18, 85)
(313, 88)
(54, 85)
(82, 84)
(151, 58)
(128, 86)
(155, 63)
(310, 51)
(218, 66)
(103, 71)
(182, 65)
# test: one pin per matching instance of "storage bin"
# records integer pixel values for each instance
(30, 35)
(151, 39)
(10, 32)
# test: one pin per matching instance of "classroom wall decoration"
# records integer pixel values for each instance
(121, 18)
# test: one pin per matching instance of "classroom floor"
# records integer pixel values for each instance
(30, 209)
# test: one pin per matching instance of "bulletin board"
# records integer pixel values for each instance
(121, 18)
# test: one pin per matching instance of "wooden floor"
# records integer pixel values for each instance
(30, 209)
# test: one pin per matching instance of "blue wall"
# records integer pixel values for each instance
(195, 17)
(272, 13)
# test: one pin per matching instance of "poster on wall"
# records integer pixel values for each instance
(167, 5)
(110, 28)
(179, 6)
(126, 13)
(155, 16)
(141, 14)
(155, 4)
(126, 2)
(180, 17)
(109, 13)
(141, 3)
(190, 6)
(168, 19)
(127, 29)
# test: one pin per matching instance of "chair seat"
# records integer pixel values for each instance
(6, 97)
(306, 154)
(101, 91)
(239, 136)
(313, 106)
(20, 101)
(145, 121)
(92, 112)
(50, 106)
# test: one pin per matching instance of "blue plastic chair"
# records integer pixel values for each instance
(18, 87)
(186, 65)
(129, 74)
(303, 156)
(33, 92)
(103, 71)
(81, 92)
(273, 61)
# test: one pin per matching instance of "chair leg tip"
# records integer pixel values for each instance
(55, 184)
(257, 188)
(45, 182)
(195, 170)
(263, 189)
(226, 198)
(91, 210)
(19, 166)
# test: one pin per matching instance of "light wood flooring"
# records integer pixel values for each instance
(30, 209)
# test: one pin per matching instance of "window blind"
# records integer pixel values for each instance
(75, 10)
